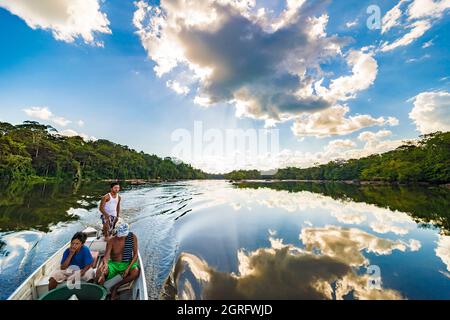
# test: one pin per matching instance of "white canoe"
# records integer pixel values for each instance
(36, 285)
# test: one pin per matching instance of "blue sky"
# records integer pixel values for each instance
(114, 90)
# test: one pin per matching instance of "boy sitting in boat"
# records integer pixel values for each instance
(76, 263)
(120, 258)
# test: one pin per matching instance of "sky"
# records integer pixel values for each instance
(321, 80)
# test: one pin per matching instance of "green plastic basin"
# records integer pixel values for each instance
(88, 291)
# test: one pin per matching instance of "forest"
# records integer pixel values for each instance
(243, 175)
(35, 152)
(426, 160)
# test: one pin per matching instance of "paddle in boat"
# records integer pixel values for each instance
(35, 287)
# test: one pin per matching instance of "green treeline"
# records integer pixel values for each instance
(243, 175)
(32, 151)
(428, 160)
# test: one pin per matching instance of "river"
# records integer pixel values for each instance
(253, 240)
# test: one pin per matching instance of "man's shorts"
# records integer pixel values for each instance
(111, 221)
(115, 268)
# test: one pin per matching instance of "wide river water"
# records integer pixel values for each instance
(253, 240)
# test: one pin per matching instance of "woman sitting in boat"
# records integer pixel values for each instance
(120, 258)
(76, 263)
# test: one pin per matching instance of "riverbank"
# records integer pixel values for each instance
(145, 181)
(352, 182)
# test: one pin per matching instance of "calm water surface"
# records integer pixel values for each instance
(256, 240)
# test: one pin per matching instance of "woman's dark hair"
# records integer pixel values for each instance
(79, 236)
(114, 184)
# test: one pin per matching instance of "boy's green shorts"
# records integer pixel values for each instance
(115, 268)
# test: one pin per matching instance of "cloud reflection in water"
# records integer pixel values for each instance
(328, 267)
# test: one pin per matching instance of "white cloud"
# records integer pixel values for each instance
(419, 16)
(44, 113)
(333, 121)
(341, 144)
(69, 133)
(443, 250)
(267, 66)
(373, 143)
(340, 149)
(418, 29)
(177, 87)
(369, 136)
(425, 56)
(67, 19)
(427, 9)
(392, 17)
(73, 133)
(431, 111)
(351, 24)
(61, 121)
(427, 44)
(364, 73)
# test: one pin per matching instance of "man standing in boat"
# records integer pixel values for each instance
(110, 209)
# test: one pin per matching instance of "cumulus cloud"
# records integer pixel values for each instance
(371, 136)
(431, 111)
(334, 121)
(373, 143)
(69, 133)
(341, 144)
(364, 73)
(44, 113)
(61, 121)
(268, 67)
(66, 19)
(417, 17)
(340, 149)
